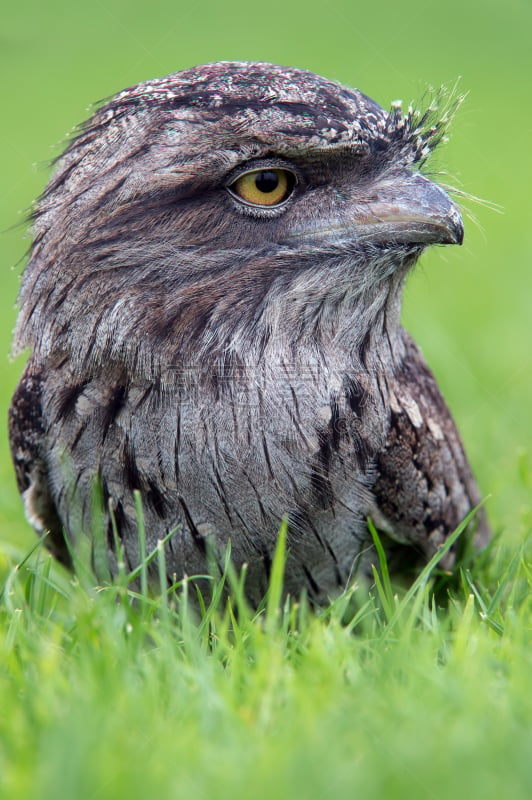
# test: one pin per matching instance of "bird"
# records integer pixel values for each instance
(212, 304)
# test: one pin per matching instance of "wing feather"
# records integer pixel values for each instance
(425, 486)
(27, 437)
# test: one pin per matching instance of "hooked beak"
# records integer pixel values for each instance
(409, 210)
(416, 211)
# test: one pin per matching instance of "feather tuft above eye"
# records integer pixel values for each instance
(423, 127)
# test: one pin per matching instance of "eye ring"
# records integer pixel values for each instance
(268, 187)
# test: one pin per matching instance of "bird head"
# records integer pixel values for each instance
(228, 208)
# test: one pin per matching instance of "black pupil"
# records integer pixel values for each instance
(267, 181)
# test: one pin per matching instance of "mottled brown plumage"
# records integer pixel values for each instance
(238, 361)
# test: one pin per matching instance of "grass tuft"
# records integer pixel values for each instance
(110, 691)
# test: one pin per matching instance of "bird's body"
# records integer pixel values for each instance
(238, 360)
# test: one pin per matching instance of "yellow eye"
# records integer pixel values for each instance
(264, 187)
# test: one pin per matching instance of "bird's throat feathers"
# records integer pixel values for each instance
(267, 310)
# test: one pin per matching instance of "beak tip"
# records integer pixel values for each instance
(456, 228)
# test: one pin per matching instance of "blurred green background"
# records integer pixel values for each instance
(470, 307)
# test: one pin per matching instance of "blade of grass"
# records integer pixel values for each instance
(11, 583)
(141, 533)
(100, 549)
(425, 574)
(42, 594)
(134, 574)
(14, 624)
(163, 582)
(388, 607)
(507, 577)
(384, 586)
(275, 588)
(121, 577)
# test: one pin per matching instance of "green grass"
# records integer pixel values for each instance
(388, 693)
(385, 694)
